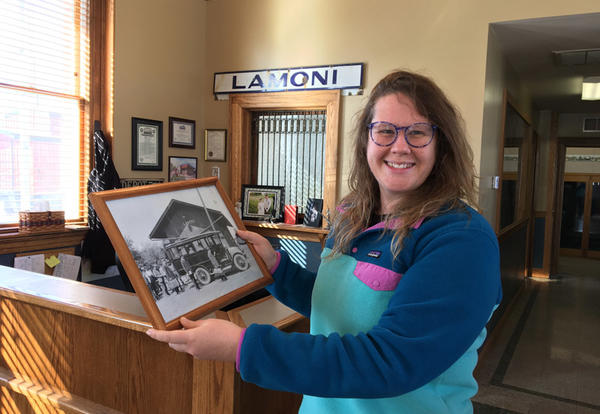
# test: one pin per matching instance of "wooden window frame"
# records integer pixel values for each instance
(241, 108)
(100, 104)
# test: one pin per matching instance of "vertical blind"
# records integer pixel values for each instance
(44, 99)
(291, 153)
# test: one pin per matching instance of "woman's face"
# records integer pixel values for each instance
(399, 168)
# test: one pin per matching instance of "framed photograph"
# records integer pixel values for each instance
(262, 202)
(183, 168)
(182, 255)
(313, 214)
(215, 144)
(146, 141)
(182, 133)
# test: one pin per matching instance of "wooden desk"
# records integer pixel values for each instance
(79, 348)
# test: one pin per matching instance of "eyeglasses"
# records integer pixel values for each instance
(417, 135)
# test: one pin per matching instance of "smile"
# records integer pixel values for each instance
(401, 165)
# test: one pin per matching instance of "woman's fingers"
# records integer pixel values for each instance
(262, 247)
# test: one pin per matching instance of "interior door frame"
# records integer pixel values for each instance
(562, 144)
(241, 107)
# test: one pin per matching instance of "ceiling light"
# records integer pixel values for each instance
(590, 90)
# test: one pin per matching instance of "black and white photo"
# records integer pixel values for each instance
(185, 254)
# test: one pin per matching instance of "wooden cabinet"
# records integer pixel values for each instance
(23, 244)
(75, 347)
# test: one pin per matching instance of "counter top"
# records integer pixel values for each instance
(94, 302)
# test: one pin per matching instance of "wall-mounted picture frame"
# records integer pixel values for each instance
(215, 144)
(146, 143)
(182, 133)
(264, 202)
(313, 215)
(183, 168)
(182, 255)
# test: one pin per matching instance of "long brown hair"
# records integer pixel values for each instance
(451, 180)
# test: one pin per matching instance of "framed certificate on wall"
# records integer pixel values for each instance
(146, 142)
(215, 144)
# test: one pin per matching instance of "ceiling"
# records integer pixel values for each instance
(528, 45)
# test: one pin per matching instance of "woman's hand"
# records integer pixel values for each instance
(209, 339)
(262, 247)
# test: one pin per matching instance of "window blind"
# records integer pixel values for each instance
(44, 99)
(290, 152)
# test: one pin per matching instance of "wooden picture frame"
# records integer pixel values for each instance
(215, 144)
(183, 168)
(182, 255)
(182, 133)
(262, 202)
(146, 144)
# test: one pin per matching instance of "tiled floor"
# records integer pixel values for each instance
(544, 356)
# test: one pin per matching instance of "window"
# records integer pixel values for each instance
(246, 162)
(46, 52)
(290, 152)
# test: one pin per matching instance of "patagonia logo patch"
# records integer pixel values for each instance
(374, 253)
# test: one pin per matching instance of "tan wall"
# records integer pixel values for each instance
(445, 40)
(160, 56)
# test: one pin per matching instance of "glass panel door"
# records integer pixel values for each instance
(571, 228)
(594, 241)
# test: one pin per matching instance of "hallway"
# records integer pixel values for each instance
(544, 356)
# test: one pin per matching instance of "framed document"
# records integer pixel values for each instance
(146, 142)
(215, 144)
(182, 133)
(182, 255)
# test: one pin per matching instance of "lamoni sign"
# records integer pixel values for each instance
(347, 76)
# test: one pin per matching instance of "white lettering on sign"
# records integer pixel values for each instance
(276, 80)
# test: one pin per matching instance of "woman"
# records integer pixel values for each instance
(408, 280)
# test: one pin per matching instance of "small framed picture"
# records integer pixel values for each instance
(182, 255)
(262, 202)
(215, 144)
(313, 214)
(146, 142)
(183, 168)
(182, 133)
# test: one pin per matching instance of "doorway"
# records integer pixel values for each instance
(579, 196)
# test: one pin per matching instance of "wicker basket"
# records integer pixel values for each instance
(41, 221)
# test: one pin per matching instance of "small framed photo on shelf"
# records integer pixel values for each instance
(313, 214)
(215, 144)
(182, 255)
(146, 143)
(263, 202)
(183, 168)
(182, 133)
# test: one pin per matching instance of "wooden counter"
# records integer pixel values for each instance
(67, 346)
